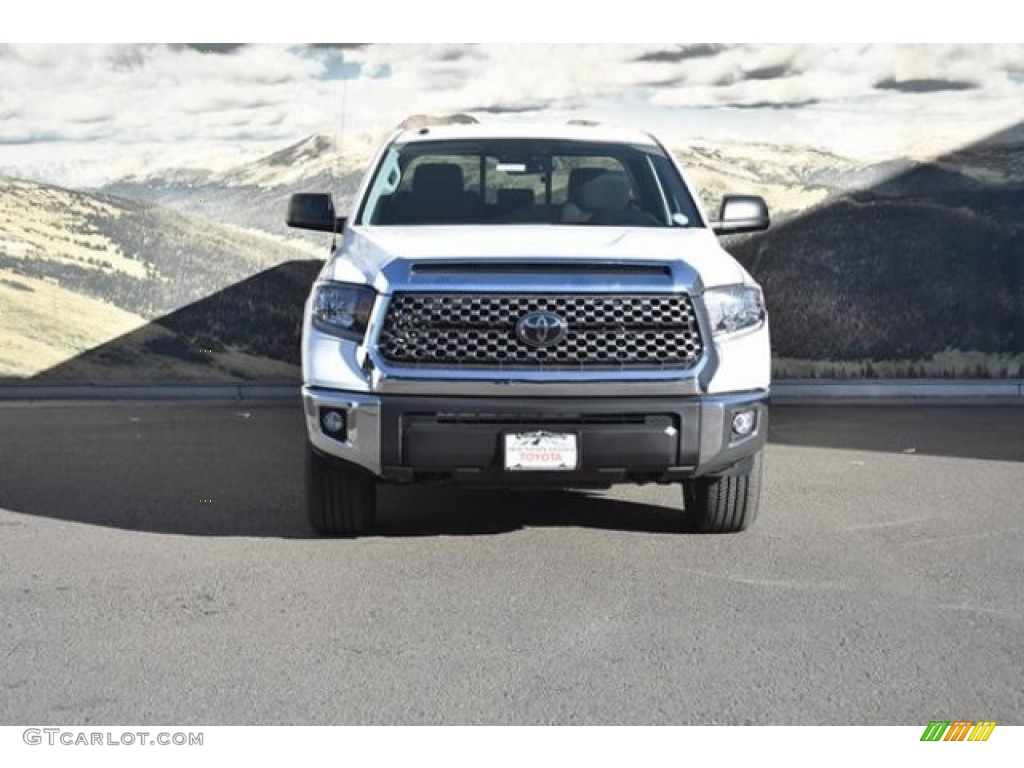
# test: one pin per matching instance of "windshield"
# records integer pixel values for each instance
(527, 181)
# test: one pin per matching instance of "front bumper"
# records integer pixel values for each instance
(405, 438)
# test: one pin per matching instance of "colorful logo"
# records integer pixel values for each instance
(958, 730)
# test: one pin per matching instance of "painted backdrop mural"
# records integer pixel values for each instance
(143, 188)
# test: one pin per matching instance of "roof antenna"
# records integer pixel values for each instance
(337, 159)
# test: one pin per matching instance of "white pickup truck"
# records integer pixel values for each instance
(532, 306)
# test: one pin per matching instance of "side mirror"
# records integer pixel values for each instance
(307, 210)
(741, 213)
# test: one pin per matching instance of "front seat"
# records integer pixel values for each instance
(605, 199)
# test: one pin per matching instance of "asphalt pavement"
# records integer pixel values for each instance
(156, 568)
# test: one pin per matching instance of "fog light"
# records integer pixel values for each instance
(743, 423)
(333, 422)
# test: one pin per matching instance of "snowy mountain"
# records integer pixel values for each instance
(255, 195)
(317, 158)
(791, 179)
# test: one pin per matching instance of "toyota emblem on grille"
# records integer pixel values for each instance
(541, 329)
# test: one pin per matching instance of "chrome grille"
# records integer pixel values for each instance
(478, 330)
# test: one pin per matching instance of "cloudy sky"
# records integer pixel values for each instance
(81, 114)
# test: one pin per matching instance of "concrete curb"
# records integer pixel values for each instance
(182, 392)
(951, 391)
(831, 391)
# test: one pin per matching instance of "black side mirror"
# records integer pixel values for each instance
(313, 210)
(741, 213)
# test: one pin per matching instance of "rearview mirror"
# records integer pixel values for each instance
(313, 210)
(741, 213)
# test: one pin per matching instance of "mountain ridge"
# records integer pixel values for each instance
(78, 268)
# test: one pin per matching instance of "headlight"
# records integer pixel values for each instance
(342, 310)
(735, 309)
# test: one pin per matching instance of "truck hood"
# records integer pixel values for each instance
(365, 252)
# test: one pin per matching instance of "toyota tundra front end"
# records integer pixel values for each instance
(542, 306)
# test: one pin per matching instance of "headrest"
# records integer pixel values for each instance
(607, 192)
(437, 179)
(578, 177)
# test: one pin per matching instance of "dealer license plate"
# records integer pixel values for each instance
(540, 451)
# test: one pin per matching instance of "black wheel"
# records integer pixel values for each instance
(341, 498)
(724, 504)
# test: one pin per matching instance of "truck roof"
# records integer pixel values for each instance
(514, 130)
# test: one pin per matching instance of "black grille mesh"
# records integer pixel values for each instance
(478, 330)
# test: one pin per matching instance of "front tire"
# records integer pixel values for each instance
(341, 498)
(725, 504)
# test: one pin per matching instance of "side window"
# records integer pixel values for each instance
(384, 186)
(682, 208)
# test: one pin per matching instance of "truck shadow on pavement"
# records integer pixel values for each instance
(411, 511)
(238, 471)
(452, 511)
